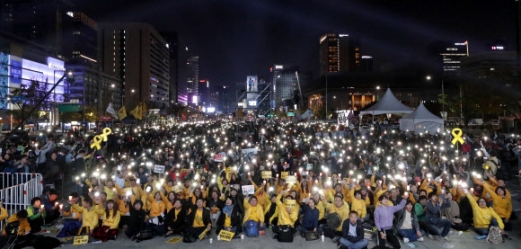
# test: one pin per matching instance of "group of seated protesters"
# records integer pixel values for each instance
(341, 209)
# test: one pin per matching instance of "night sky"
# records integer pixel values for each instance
(235, 38)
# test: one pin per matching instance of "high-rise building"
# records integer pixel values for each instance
(452, 55)
(339, 53)
(204, 93)
(284, 85)
(42, 22)
(173, 47)
(136, 53)
(192, 80)
(366, 64)
(82, 39)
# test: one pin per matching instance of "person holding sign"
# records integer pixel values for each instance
(230, 218)
(253, 216)
(199, 222)
(288, 213)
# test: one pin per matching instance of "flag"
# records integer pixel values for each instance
(138, 112)
(111, 111)
(122, 113)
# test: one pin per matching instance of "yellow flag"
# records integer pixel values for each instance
(122, 113)
(137, 112)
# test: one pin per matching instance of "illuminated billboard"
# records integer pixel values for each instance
(251, 84)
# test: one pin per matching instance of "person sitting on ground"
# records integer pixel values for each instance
(484, 217)
(90, 214)
(353, 233)
(24, 227)
(342, 210)
(175, 220)
(230, 218)
(452, 213)
(310, 220)
(109, 227)
(383, 220)
(136, 220)
(36, 215)
(288, 215)
(52, 209)
(199, 221)
(434, 220)
(407, 225)
(253, 213)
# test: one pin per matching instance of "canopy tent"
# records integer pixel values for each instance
(388, 104)
(421, 120)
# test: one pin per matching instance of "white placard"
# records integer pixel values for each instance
(159, 169)
(248, 190)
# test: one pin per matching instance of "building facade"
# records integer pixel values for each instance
(284, 85)
(339, 53)
(82, 47)
(136, 53)
(192, 80)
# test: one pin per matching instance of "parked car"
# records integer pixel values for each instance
(454, 121)
(476, 121)
(493, 122)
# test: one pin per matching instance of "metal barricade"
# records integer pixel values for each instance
(17, 191)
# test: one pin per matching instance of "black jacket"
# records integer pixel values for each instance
(236, 219)
(206, 217)
(136, 220)
(359, 232)
(177, 224)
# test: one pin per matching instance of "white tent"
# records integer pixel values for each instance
(421, 120)
(388, 104)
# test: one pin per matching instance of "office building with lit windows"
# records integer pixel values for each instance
(339, 53)
(137, 54)
(284, 85)
(192, 80)
(82, 45)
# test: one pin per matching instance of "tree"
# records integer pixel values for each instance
(26, 98)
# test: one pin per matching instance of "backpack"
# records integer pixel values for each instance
(251, 229)
(494, 235)
(333, 220)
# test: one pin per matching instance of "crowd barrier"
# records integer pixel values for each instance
(17, 190)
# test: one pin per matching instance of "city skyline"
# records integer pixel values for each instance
(235, 38)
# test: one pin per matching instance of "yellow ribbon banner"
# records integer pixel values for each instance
(201, 236)
(81, 240)
(225, 235)
(266, 174)
(174, 240)
(456, 134)
(96, 141)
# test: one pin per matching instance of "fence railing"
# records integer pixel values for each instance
(17, 190)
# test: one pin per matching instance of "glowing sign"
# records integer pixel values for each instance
(279, 67)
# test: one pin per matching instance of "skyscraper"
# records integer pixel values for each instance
(173, 47)
(82, 38)
(451, 56)
(339, 53)
(284, 85)
(192, 80)
(137, 54)
(42, 22)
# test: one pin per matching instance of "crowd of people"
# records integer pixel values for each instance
(313, 180)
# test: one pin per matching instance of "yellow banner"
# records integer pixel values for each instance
(174, 240)
(81, 240)
(225, 235)
(284, 174)
(201, 236)
(266, 174)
